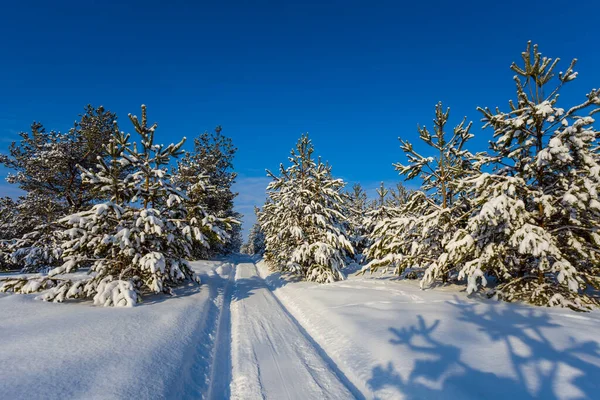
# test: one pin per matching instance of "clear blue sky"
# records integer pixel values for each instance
(355, 75)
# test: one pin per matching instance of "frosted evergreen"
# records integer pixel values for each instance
(303, 220)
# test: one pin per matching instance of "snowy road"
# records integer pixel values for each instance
(272, 356)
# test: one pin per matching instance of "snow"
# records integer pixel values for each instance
(271, 355)
(160, 349)
(395, 341)
(247, 333)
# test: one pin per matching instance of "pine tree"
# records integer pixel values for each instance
(256, 239)
(10, 221)
(46, 163)
(415, 238)
(303, 219)
(46, 166)
(9, 228)
(379, 210)
(235, 240)
(399, 197)
(537, 216)
(355, 212)
(29, 233)
(206, 175)
(135, 243)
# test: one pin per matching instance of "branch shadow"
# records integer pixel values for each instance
(187, 288)
(538, 364)
(245, 287)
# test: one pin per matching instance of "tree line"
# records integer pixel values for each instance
(128, 210)
(519, 222)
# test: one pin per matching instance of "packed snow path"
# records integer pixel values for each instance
(272, 356)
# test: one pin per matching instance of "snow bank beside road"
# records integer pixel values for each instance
(159, 349)
(395, 341)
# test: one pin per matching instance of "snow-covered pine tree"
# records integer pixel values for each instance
(256, 239)
(398, 197)
(45, 166)
(415, 239)
(191, 178)
(9, 219)
(303, 219)
(235, 240)
(36, 246)
(355, 212)
(380, 209)
(46, 162)
(135, 243)
(5, 259)
(206, 175)
(536, 224)
(9, 228)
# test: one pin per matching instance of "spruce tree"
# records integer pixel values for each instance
(303, 219)
(536, 219)
(137, 241)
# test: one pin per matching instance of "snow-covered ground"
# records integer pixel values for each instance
(162, 348)
(393, 341)
(247, 333)
(272, 356)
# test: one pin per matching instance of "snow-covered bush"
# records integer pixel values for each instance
(136, 242)
(536, 218)
(303, 219)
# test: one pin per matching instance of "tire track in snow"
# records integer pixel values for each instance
(334, 367)
(220, 370)
(273, 356)
(330, 336)
(200, 360)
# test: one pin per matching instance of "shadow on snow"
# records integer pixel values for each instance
(439, 370)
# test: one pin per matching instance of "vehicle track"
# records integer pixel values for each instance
(273, 356)
(220, 371)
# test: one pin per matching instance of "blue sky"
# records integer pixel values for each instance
(355, 75)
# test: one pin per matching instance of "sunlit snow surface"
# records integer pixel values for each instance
(366, 337)
(395, 341)
(158, 349)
